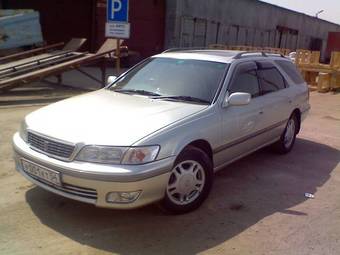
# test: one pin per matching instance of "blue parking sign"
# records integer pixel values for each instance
(117, 10)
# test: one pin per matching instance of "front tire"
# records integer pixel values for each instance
(288, 137)
(189, 183)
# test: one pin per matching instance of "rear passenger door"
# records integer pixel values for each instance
(275, 99)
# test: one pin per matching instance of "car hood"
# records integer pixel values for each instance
(105, 117)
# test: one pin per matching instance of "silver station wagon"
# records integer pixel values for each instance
(160, 131)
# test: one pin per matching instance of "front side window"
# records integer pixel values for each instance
(245, 80)
(271, 79)
(174, 77)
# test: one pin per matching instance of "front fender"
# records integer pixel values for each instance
(175, 138)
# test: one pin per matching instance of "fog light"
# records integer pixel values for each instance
(122, 197)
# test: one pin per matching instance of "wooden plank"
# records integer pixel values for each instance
(29, 53)
(335, 60)
(75, 44)
(324, 82)
(34, 59)
(106, 49)
(335, 81)
(53, 70)
(39, 74)
(24, 61)
(30, 67)
(317, 70)
(217, 46)
(315, 57)
(109, 45)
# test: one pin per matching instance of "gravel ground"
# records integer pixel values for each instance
(257, 205)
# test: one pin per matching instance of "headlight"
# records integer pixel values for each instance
(23, 130)
(140, 155)
(101, 154)
(118, 155)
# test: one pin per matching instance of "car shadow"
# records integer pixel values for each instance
(243, 194)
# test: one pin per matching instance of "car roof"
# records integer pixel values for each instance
(222, 56)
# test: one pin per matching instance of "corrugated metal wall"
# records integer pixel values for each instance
(191, 23)
(197, 32)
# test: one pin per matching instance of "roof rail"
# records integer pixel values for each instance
(275, 54)
(185, 49)
(237, 56)
(261, 53)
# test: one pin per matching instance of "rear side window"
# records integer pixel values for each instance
(245, 80)
(290, 69)
(271, 80)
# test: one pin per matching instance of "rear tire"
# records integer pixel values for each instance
(288, 137)
(190, 182)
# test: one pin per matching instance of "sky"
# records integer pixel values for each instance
(311, 7)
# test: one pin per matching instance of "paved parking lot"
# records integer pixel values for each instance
(257, 205)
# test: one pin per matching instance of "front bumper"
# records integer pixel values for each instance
(90, 183)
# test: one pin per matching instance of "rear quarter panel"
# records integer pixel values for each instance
(298, 93)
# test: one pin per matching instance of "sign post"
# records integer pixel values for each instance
(117, 25)
(118, 57)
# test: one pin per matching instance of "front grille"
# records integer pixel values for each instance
(70, 189)
(49, 146)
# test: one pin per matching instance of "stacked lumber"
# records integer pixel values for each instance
(284, 52)
(320, 77)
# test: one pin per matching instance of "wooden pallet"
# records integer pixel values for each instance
(321, 77)
(335, 60)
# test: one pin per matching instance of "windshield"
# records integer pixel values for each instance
(173, 78)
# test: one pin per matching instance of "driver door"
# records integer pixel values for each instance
(241, 124)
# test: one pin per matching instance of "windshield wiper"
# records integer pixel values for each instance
(136, 91)
(183, 98)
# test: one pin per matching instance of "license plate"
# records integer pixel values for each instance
(42, 173)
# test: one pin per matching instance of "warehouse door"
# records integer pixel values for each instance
(316, 44)
(147, 19)
(287, 37)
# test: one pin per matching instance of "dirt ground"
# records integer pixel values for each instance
(257, 205)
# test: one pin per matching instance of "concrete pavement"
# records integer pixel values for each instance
(257, 205)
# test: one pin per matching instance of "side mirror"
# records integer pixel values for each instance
(238, 98)
(111, 79)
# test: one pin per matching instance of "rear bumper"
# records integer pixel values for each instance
(90, 183)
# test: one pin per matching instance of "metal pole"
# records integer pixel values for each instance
(118, 57)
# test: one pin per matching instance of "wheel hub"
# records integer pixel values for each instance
(186, 183)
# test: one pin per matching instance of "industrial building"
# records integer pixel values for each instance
(243, 22)
(161, 24)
